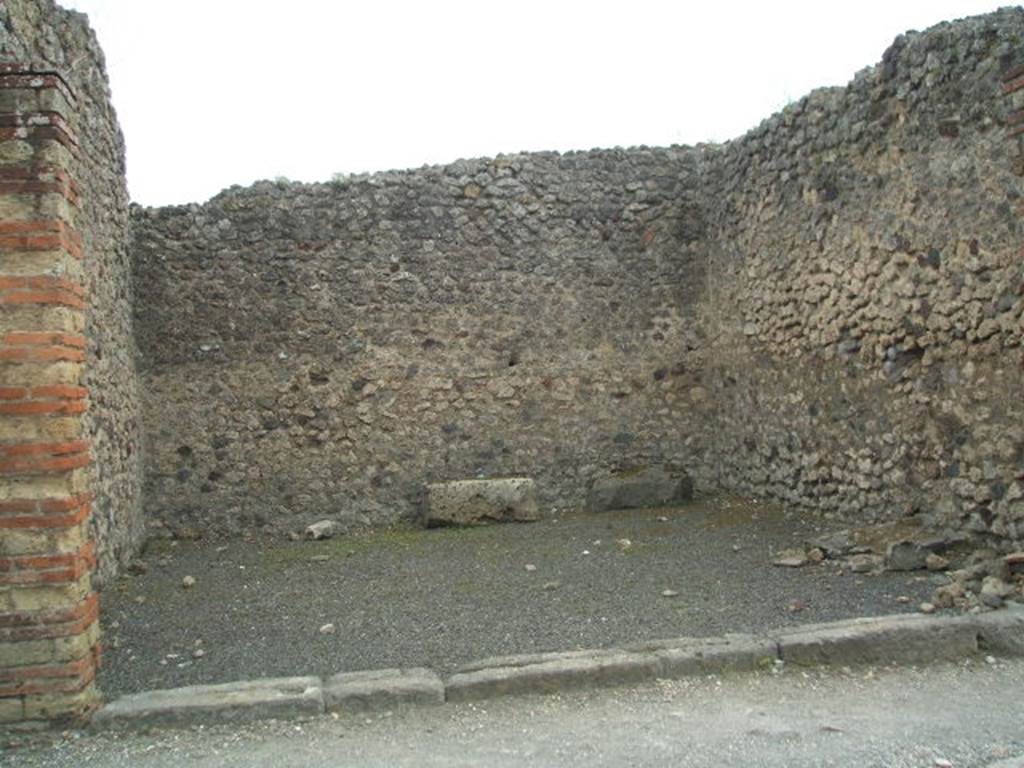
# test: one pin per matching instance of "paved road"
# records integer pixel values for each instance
(970, 714)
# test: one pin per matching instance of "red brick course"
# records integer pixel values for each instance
(47, 569)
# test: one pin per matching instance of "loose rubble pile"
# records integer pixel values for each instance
(969, 577)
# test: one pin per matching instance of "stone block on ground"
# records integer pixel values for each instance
(639, 488)
(382, 689)
(472, 502)
(900, 639)
(906, 556)
(323, 529)
(242, 701)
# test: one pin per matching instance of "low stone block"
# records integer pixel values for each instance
(639, 488)
(552, 673)
(242, 701)
(1002, 631)
(382, 689)
(471, 502)
(323, 529)
(901, 639)
(906, 556)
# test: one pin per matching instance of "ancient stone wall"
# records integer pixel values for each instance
(866, 290)
(826, 311)
(328, 349)
(69, 482)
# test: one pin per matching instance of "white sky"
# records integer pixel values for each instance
(212, 93)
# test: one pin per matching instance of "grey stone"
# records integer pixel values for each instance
(639, 488)
(864, 563)
(944, 542)
(551, 673)
(834, 545)
(242, 701)
(994, 591)
(1001, 631)
(470, 502)
(947, 595)
(906, 556)
(902, 639)
(382, 689)
(695, 656)
(791, 558)
(323, 529)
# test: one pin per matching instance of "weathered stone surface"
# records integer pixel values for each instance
(1001, 631)
(994, 591)
(639, 488)
(382, 689)
(901, 639)
(906, 556)
(400, 332)
(444, 309)
(692, 656)
(851, 375)
(864, 563)
(550, 673)
(791, 558)
(469, 502)
(323, 529)
(553, 672)
(833, 545)
(205, 704)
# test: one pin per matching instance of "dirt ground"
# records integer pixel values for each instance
(443, 597)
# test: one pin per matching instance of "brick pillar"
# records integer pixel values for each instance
(48, 611)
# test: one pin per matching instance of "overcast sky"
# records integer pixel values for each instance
(212, 93)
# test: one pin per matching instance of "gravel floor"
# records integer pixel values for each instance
(443, 597)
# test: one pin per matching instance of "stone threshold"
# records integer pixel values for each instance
(898, 639)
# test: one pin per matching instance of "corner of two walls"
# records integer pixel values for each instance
(866, 290)
(826, 311)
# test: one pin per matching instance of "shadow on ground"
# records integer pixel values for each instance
(443, 597)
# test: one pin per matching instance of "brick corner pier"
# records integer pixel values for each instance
(49, 630)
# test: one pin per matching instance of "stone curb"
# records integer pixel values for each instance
(236, 702)
(382, 689)
(900, 639)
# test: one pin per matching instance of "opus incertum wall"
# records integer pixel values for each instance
(867, 290)
(326, 350)
(827, 311)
